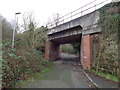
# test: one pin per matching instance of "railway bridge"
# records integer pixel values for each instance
(79, 26)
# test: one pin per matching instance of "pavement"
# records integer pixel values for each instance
(62, 75)
(102, 82)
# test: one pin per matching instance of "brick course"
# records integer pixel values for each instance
(87, 51)
(52, 50)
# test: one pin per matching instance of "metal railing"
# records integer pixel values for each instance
(86, 9)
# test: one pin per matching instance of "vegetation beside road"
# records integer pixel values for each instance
(27, 56)
(71, 48)
(105, 75)
(19, 63)
(34, 76)
(67, 49)
(105, 62)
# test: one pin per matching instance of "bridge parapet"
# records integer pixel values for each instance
(82, 11)
(86, 22)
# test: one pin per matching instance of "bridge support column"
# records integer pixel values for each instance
(86, 51)
(52, 51)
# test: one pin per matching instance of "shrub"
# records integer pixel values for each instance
(107, 57)
(23, 60)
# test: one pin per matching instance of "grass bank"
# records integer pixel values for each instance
(34, 77)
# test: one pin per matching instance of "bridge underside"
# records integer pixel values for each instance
(71, 35)
(68, 39)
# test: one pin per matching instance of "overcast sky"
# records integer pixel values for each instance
(42, 9)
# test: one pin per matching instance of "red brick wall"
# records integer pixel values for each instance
(86, 42)
(52, 50)
(47, 50)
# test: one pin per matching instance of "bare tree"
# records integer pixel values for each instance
(29, 25)
(29, 22)
(54, 21)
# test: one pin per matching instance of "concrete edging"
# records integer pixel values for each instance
(90, 78)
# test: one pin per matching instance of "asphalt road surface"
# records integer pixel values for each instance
(67, 73)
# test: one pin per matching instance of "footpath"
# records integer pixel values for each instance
(101, 82)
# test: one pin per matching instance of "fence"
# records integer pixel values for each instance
(86, 9)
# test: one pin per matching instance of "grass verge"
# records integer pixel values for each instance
(105, 75)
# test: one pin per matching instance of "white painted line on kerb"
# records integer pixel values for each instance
(91, 80)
